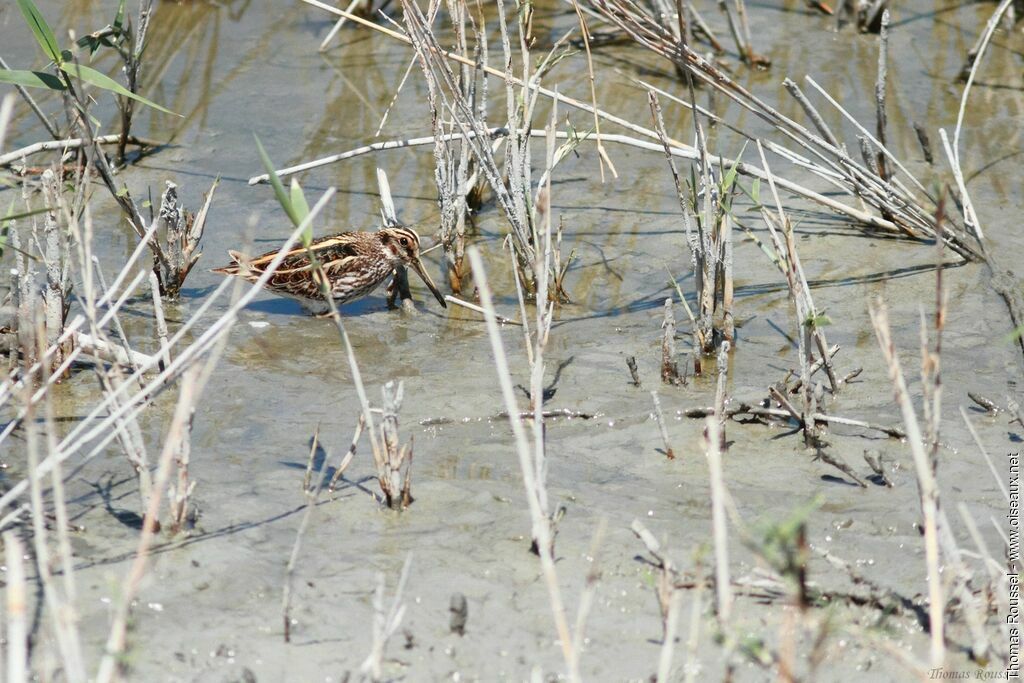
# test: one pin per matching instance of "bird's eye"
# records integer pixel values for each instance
(405, 241)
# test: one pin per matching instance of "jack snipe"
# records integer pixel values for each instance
(355, 264)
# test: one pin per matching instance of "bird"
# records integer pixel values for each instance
(354, 264)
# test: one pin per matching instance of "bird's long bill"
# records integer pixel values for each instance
(417, 265)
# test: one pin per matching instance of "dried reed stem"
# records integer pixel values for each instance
(927, 488)
(293, 558)
(660, 417)
(723, 589)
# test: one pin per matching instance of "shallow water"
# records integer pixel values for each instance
(210, 608)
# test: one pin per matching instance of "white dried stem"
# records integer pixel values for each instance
(927, 488)
(723, 589)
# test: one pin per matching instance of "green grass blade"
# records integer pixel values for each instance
(301, 208)
(94, 77)
(119, 17)
(11, 216)
(31, 79)
(41, 30)
(282, 196)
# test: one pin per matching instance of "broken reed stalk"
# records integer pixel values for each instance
(311, 494)
(452, 154)
(742, 409)
(720, 397)
(660, 417)
(927, 487)
(810, 335)
(192, 384)
(385, 624)
(909, 212)
(95, 428)
(540, 521)
(182, 230)
(723, 589)
(68, 144)
(589, 590)
(710, 244)
(510, 195)
(881, 119)
(669, 598)
(346, 460)
(16, 612)
(669, 365)
(678, 148)
(396, 479)
(56, 598)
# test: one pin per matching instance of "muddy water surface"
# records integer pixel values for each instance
(211, 607)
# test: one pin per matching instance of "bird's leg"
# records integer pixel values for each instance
(399, 287)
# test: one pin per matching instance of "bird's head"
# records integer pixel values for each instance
(402, 245)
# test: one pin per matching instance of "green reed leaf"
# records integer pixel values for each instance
(283, 198)
(41, 30)
(94, 77)
(31, 79)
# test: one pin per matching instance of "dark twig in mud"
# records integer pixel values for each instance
(741, 409)
(874, 460)
(840, 465)
(984, 402)
(633, 372)
(660, 417)
(458, 608)
(925, 142)
(553, 412)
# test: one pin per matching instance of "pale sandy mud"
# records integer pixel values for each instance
(210, 609)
